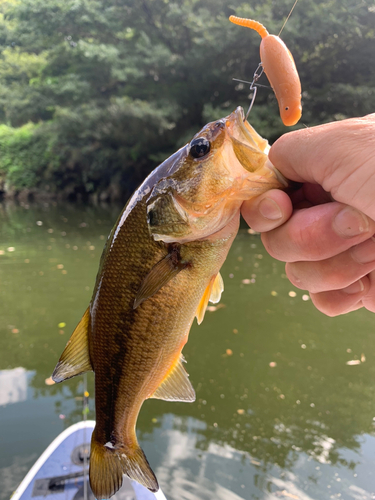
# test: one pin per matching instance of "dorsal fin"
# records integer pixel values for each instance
(212, 293)
(160, 274)
(75, 358)
(176, 386)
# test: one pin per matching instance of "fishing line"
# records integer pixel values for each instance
(249, 83)
(286, 20)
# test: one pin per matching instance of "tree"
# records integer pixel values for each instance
(119, 85)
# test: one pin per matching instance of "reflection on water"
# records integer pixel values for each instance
(285, 396)
(13, 385)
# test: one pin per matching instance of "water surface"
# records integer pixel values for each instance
(279, 413)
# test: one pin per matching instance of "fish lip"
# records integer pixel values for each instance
(238, 119)
(241, 122)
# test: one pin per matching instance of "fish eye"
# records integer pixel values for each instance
(199, 147)
(287, 108)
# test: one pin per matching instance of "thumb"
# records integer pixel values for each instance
(339, 156)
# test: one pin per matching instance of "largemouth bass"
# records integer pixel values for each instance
(159, 269)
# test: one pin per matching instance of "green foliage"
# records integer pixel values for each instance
(23, 155)
(119, 85)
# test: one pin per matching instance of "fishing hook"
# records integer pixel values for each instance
(253, 86)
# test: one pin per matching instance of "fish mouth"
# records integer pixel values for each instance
(241, 130)
(250, 148)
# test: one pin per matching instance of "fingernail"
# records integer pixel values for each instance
(365, 252)
(354, 288)
(349, 222)
(270, 209)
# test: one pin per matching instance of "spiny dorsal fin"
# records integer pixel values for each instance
(176, 386)
(75, 358)
(160, 274)
(212, 293)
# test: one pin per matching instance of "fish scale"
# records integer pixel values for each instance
(158, 271)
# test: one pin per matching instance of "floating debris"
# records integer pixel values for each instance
(15, 330)
(363, 358)
(27, 261)
(235, 330)
(229, 352)
(254, 462)
(272, 364)
(305, 297)
(251, 231)
(241, 411)
(273, 293)
(303, 346)
(62, 325)
(2, 252)
(353, 362)
(39, 223)
(215, 308)
(246, 281)
(285, 494)
(292, 294)
(10, 249)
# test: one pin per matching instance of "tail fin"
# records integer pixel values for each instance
(108, 464)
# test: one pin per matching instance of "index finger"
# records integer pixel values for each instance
(317, 233)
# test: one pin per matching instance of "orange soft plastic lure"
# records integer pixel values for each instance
(281, 71)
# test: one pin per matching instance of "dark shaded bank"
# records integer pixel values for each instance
(112, 194)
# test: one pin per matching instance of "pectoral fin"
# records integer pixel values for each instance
(75, 358)
(160, 274)
(212, 293)
(176, 386)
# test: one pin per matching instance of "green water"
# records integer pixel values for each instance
(279, 412)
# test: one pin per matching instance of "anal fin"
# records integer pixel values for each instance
(176, 386)
(211, 294)
(75, 358)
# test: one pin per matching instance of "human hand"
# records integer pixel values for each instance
(327, 245)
